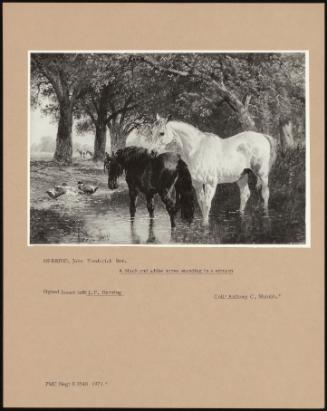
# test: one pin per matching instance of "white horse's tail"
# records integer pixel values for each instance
(273, 149)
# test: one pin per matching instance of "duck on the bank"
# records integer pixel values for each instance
(57, 191)
(86, 188)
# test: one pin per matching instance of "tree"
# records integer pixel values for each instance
(217, 92)
(209, 71)
(63, 76)
(228, 93)
(115, 99)
(92, 115)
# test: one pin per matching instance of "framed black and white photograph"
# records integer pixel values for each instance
(169, 147)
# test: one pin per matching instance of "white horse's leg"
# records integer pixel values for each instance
(244, 192)
(264, 190)
(199, 194)
(265, 193)
(208, 194)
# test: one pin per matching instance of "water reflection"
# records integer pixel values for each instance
(231, 227)
(151, 237)
(135, 238)
(103, 218)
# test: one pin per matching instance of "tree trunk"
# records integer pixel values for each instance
(100, 141)
(101, 125)
(64, 145)
(240, 108)
(117, 139)
(286, 133)
(246, 120)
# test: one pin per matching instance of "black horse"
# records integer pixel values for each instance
(151, 173)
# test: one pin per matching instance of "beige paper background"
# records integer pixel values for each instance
(167, 342)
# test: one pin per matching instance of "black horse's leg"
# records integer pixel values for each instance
(151, 235)
(170, 206)
(150, 205)
(178, 201)
(132, 205)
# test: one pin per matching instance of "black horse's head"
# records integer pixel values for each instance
(115, 169)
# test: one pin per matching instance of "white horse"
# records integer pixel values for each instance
(213, 160)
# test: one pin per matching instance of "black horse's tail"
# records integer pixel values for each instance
(184, 191)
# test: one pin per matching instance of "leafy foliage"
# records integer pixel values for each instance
(220, 93)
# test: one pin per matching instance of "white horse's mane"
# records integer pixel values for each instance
(182, 126)
(187, 137)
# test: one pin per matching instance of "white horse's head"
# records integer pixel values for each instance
(162, 133)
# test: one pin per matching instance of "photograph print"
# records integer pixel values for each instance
(168, 148)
